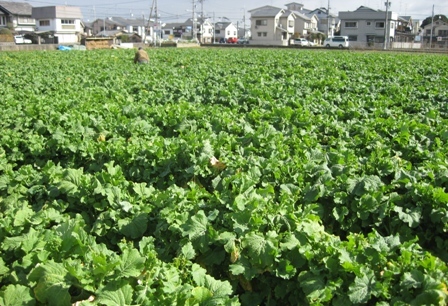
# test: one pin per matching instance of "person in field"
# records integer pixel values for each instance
(141, 56)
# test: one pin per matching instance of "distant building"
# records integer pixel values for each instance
(112, 25)
(366, 26)
(17, 15)
(272, 25)
(63, 22)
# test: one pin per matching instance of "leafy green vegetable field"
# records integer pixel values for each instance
(223, 177)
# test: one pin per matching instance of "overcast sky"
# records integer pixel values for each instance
(235, 10)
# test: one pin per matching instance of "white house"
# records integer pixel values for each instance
(272, 25)
(206, 30)
(111, 25)
(366, 26)
(439, 33)
(64, 22)
(17, 15)
(325, 18)
(322, 18)
(225, 30)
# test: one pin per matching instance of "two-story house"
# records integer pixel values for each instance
(322, 18)
(328, 24)
(17, 15)
(110, 26)
(224, 31)
(405, 30)
(272, 25)
(63, 22)
(439, 33)
(367, 26)
(204, 29)
(305, 23)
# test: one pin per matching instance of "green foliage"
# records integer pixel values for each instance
(223, 177)
(429, 19)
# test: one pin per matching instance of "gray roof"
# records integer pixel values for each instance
(265, 11)
(302, 16)
(321, 12)
(123, 21)
(406, 18)
(16, 8)
(173, 25)
(222, 25)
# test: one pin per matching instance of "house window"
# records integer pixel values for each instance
(218, 31)
(134, 29)
(167, 32)
(443, 32)
(352, 38)
(290, 23)
(391, 25)
(380, 25)
(234, 33)
(428, 32)
(369, 23)
(228, 33)
(351, 24)
(2, 20)
(44, 23)
(68, 24)
(262, 34)
(26, 20)
(261, 22)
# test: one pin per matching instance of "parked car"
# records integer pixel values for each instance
(243, 41)
(222, 40)
(232, 40)
(303, 42)
(20, 39)
(337, 42)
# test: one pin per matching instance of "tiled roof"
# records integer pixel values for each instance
(265, 11)
(16, 8)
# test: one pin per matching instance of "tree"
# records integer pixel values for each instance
(436, 17)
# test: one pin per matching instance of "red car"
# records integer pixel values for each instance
(232, 40)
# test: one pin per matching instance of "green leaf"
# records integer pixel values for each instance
(201, 294)
(410, 216)
(131, 264)
(413, 279)
(285, 269)
(217, 287)
(261, 250)
(361, 290)
(134, 228)
(115, 295)
(188, 251)
(15, 295)
(196, 226)
(53, 283)
(311, 283)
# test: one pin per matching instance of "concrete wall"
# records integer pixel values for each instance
(28, 47)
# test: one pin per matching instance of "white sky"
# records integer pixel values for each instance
(180, 10)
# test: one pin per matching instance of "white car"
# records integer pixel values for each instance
(20, 39)
(303, 42)
(337, 42)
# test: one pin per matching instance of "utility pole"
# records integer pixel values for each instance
(155, 24)
(193, 30)
(386, 26)
(328, 19)
(432, 27)
(244, 22)
(202, 20)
